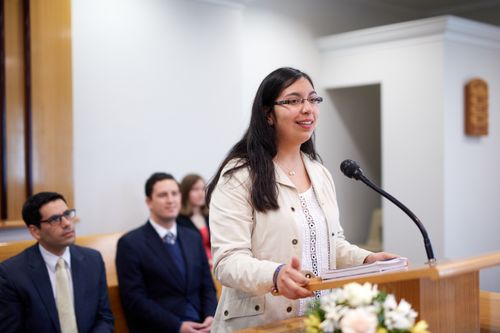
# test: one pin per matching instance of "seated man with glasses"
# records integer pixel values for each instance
(54, 285)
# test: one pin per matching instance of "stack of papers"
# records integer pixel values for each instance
(390, 265)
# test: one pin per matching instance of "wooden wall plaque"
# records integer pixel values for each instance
(476, 107)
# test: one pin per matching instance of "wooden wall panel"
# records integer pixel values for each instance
(52, 120)
(38, 77)
(14, 92)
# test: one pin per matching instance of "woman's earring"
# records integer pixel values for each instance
(270, 120)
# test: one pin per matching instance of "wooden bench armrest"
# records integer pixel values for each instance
(489, 311)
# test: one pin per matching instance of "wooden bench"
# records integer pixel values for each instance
(489, 312)
(104, 243)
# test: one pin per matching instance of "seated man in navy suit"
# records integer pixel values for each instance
(54, 285)
(163, 273)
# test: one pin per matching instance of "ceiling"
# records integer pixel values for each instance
(431, 7)
(487, 11)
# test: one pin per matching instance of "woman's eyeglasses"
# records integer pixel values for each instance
(299, 101)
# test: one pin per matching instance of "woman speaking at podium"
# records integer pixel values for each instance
(273, 210)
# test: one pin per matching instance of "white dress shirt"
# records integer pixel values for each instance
(161, 230)
(51, 261)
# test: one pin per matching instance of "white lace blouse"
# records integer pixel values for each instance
(315, 253)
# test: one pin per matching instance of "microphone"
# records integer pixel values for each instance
(352, 170)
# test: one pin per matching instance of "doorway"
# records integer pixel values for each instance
(350, 128)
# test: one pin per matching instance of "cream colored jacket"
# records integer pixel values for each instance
(248, 246)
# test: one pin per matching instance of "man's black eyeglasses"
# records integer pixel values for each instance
(57, 219)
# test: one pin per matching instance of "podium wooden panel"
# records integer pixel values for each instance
(445, 295)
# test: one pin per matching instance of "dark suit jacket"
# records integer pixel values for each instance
(152, 291)
(187, 222)
(27, 302)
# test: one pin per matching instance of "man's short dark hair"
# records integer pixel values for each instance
(154, 178)
(31, 208)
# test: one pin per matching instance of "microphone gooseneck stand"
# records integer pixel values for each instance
(352, 170)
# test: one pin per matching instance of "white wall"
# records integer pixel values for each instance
(154, 90)
(471, 179)
(272, 40)
(409, 142)
(445, 178)
(283, 33)
(168, 84)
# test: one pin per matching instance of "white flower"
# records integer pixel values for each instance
(335, 296)
(357, 294)
(359, 320)
(333, 314)
(390, 303)
(355, 308)
(330, 299)
(375, 308)
(404, 307)
(401, 316)
(328, 326)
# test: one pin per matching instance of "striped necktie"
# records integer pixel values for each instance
(169, 238)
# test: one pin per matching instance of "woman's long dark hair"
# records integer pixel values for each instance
(258, 146)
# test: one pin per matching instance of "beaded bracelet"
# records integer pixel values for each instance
(275, 277)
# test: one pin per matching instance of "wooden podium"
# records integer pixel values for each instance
(445, 295)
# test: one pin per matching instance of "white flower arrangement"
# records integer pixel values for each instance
(357, 308)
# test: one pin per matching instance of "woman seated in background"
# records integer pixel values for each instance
(194, 211)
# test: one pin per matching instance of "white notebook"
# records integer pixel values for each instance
(390, 265)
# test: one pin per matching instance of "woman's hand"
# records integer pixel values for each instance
(291, 281)
(378, 256)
